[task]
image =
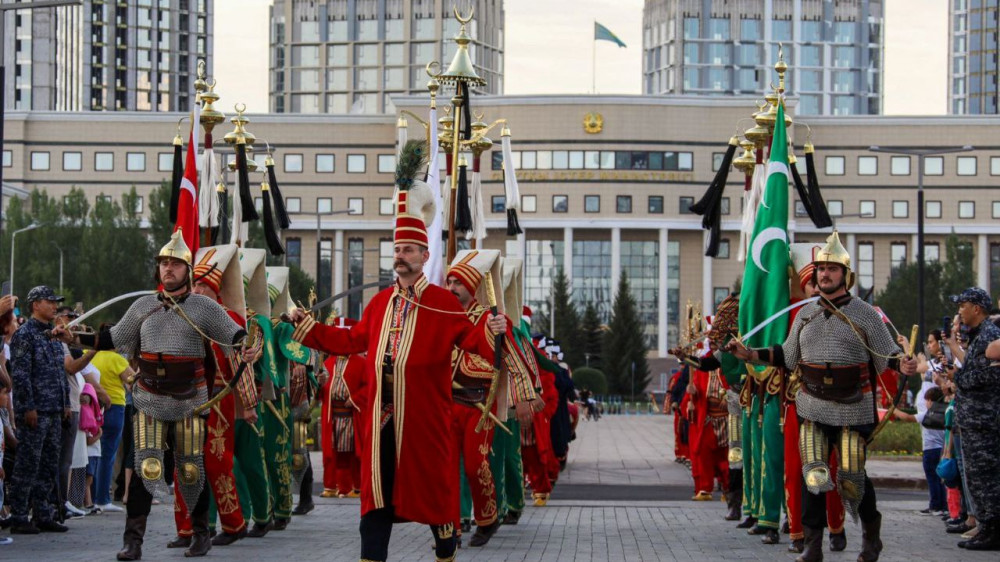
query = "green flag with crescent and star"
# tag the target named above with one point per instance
(765, 276)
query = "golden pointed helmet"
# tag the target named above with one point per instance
(176, 248)
(835, 252)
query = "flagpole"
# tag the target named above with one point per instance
(593, 62)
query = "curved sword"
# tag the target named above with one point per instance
(775, 316)
(134, 294)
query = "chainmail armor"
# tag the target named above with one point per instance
(167, 408)
(818, 338)
(164, 330)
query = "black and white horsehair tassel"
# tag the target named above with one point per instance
(247, 208)
(815, 197)
(280, 212)
(710, 205)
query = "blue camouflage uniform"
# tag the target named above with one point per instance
(977, 410)
(38, 372)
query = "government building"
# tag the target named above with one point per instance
(605, 182)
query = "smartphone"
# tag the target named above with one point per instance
(5, 288)
(946, 327)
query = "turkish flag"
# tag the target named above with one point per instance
(187, 203)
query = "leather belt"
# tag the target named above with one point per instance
(469, 396)
(178, 377)
(844, 384)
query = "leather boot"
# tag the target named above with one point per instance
(484, 533)
(135, 528)
(871, 541)
(201, 540)
(226, 539)
(812, 542)
(734, 501)
(988, 537)
(838, 541)
(179, 542)
(747, 523)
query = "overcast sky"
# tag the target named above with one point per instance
(550, 50)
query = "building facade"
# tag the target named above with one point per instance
(724, 48)
(125, 55)
(354, 56)
(972, 66)
(592, 203)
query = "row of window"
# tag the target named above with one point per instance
(900, 209)
(900, 165)
(597, 160)
(72, 161)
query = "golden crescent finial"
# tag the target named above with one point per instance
(781, 51)
(479, 115)
(202, 68)
(240, 108)
(213, 83)
(430, 65)
(467, 19)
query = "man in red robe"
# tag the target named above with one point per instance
(707, 413)
(475, 375)
(409, 330)
(536, 438)
(341, 462)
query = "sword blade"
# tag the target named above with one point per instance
(775, 316)
(107, 303)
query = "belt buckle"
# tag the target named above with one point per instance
(161, 371)
(828, 381)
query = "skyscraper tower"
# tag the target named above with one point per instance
(350, 56)
(711, 47)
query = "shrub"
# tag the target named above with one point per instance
(898, 438)
(587, 377)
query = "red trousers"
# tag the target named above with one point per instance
(709, 461)
(681, 449)
(343, 472)
(475, 448)
(535, 470)
(794, 484)
(218, 451)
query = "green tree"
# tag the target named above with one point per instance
(160, 226)
(590, 378)
(567, 329)
(592, 337)
(941, 280)
(624, 345)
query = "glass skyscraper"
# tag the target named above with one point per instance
(833, 49)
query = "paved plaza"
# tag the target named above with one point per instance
(621, 498)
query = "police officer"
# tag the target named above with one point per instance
(42, 404)
(976, 405)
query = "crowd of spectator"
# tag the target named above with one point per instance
(62, 412)
(958, 407)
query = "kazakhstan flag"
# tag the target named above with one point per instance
(602, 33)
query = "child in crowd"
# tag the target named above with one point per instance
(91, 420)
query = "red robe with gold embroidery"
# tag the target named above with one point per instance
(426, 482)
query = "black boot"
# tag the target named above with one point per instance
(988, 537)
(770, 537)
(812, 543)
(512, 517)
(796, 546)
(484, 533)
(226, 539)
(135, 529)
(747, 523)
(179, 542)
(838, 541)
(260, 529)
(734, 501)
(304, 507)
(871, 541)
(201, 540)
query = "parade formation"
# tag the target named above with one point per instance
(440, 403)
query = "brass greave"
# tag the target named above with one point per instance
(149, 439)
(189, 439)
(851, 475)
(815, 453)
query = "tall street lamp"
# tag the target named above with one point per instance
(4, 6)
(60, 265)
(13, 238)
(921, 154)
